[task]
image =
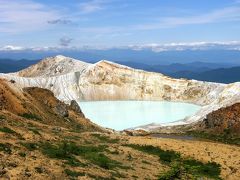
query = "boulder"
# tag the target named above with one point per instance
(75, 107)
(61, 109)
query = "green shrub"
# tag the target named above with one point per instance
(181, 167)
(105, 139)
(22, 154)
(73, 173)
(165, 156)
(102, 161)
(39, 170)
(5, 148)
(68, 151)
(210, 169)
(173, 173)
(75, 163)
(7, 130)
(31, 116)
(30, 146)
(10, 131)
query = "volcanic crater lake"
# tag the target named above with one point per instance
(120, 115)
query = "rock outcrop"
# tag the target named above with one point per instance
(75, 107)
(224, 119)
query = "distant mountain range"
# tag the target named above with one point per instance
(176, 67)
(9, 65)
(222, 73)
(213, 72)
(145, 56)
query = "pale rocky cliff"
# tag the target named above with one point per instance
(71, 79)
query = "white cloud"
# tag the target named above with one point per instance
(92, 6)
(11, 48)
(23, 16)
(230, 45)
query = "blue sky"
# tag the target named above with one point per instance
(115, 23)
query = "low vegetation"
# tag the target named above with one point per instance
(22, 154)
(10, 131)
(73, 173)
(69, 150)
(210, 169)
(225, 137)
(39, 170)
(105, 139)
(31, 116)
(2, 117)
(34, 130)
(6, 148)
(30, 146)
(165, 156)
(7, 130)
(181, 167)
(173, 173)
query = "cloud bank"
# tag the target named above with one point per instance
(65, 42)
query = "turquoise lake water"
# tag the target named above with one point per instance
(121, 115)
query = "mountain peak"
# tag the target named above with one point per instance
(53, 66)
(61, 57)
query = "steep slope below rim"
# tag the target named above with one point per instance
(110, 81)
